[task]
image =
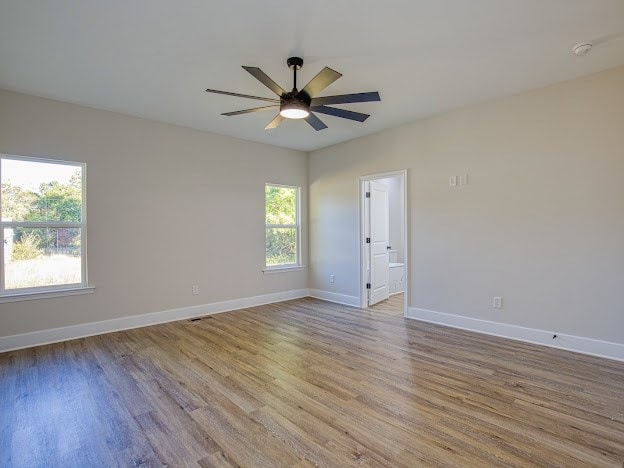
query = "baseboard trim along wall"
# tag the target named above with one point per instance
(578, 344)
(335, 297)
(27, 340)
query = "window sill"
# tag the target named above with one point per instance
(284, 269)
(29, 296)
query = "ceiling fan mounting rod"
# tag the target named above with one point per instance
(295, 63)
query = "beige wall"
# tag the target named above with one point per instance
(541, 222)
(168, 208)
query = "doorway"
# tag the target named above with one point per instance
(384, 242)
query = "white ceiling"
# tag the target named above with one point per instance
(154, 58)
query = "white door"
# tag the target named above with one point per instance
(379, 231)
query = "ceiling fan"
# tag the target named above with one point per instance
(302, 104)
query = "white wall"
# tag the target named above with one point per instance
(168, 208)
(396, 214)
(541, 222)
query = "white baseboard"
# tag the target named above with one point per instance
(578, 344)
(542, 337)
(335, 297)
(27, 340)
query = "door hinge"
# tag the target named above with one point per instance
(368, 240)
(367, 194)
(368, 285)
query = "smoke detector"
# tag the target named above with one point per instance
(582, 49)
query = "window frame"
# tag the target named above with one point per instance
(297, 226)
(58, 289)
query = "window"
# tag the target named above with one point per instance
(42, 219)
(282, 226)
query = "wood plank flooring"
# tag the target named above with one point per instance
(394, 305)
(307, 383)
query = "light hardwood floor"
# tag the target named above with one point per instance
(305, 383)
(394, 305)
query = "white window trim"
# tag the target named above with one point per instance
(285, 266)
(283, 269)
(73, 291)
(42, 292)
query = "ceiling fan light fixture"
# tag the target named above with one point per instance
(294, 110)
(298, 105)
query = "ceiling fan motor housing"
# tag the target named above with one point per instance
(296, 95)
(295, 104)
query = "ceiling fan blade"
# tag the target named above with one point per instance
(346, 98)
(316, 123)
(321, 81)
(275, 122)
(227, 93)
(247, 111)
(265, 80)
(345, 114)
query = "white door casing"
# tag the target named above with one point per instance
(379, 232)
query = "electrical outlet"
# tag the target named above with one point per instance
(497, 302)
(453, 181)
(331, 278)
(195, 290)
(463, 179)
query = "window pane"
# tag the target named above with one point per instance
(281, 205)
(40, 191)
(37, 257)
(281, 246)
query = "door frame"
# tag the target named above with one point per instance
(362, 229)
